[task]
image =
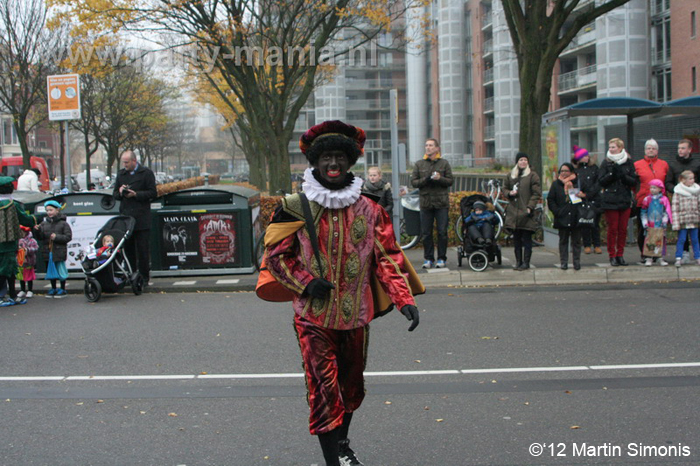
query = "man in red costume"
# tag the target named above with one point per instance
(334, 303)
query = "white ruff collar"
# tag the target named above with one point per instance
(331, 199)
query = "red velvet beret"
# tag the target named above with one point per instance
(332, 128)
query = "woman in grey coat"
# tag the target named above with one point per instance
(524, 191)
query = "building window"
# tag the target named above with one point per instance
(661, 85)
(694, 79)
(692, 24)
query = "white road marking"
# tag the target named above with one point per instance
(192, 282)
(501, 370)
(232, 281)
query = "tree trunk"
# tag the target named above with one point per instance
(86, 140)
(22, 138)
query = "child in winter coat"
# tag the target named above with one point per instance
(479, 224)
(686, 214)
(106, 250)
(656, 213)
(56, 233)
(377, 186)
(26, 274)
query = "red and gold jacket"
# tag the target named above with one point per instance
(355, 243)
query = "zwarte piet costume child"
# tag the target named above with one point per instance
(335, 303)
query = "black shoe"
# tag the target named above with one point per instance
(577, 266)
(613, 261)
(346, 456)
(564, 266)
(621, 261)
(524, 266)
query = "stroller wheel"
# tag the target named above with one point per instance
(93, 290)
(478, 261)
(137, 283)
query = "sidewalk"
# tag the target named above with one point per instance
(595, 268)
(545, 271)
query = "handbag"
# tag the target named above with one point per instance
(55, 270)
(586, 214)
(268, 288)
(654, 242)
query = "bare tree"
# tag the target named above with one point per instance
(540, 31)
(26, 45)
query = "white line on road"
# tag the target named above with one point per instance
(231, 281)
(184, 283)
(502, 370)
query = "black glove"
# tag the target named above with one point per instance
(411, 313)
(319, 288)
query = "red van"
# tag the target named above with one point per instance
(12, 166)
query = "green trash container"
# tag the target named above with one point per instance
(205, 231)
(30, 199)
(86, 212)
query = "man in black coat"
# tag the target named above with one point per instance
(136, 188)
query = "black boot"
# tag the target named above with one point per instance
(613, 261)
(564, 266)
(518, 259)
(621, 261)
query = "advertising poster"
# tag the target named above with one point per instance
(550, 165)
(84, 228)
(217, 239)
(196, 240)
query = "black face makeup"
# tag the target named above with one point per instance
(333, 166)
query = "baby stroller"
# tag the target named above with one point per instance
(112, 273)
(478, 255)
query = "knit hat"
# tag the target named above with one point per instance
(332, 135)
(52, 204)
(579, 153)
(659, 184)
(520, 155)
(479, 205)
(6, 180)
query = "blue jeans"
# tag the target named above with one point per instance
(682, 233)
(427, 218)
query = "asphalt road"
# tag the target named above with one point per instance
(588, 375)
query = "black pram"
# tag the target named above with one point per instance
(112, 273)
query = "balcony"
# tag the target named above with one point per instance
(488, 105)
(583, 123)
(487, 20)
(489, 132)
(488, 76)
(660, 57)
(367, 104)
(583, 77)
(585, 37)
(488, 47)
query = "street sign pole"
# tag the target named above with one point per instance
(64, 104)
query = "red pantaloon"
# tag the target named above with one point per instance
(334, 362)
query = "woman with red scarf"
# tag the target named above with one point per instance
(561, 204)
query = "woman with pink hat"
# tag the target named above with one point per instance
(587, 174)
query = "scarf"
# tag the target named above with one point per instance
(568, 181)
(687, 191)
(516, 173)
(618, 158)
(331, 199)
(426, 157)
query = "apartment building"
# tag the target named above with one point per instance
(645, 49)
(358, 94)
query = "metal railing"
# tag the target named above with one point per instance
(577, 78)
(488, 75)
(488, 104)
(488, 47)
(660, 56)
(490, 132)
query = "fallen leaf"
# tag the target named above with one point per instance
(100, 401)
(575, 427)
(387, 402)
(172, 414)
(567, 392)
(79, 404)
(142, 412)
(439, 420)
(417, 360)
(494, 381)
(203, 373)
(427, 408)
